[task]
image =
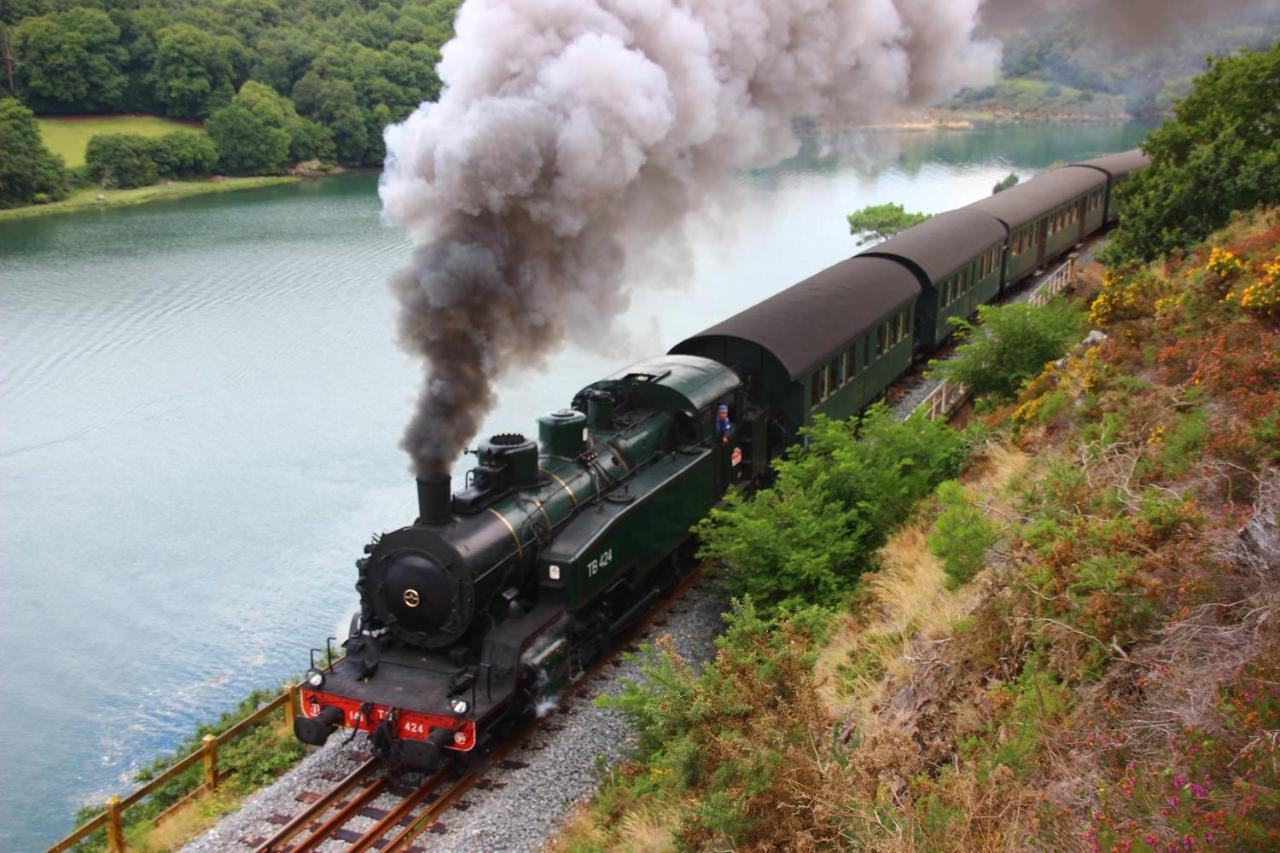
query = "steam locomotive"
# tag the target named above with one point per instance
(501, 594)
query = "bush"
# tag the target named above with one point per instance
(734, 732)
(184, 154)
(835, 501)
(1010, 345)
(960, 536)
(121, 160)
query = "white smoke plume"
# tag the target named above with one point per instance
(574, 136)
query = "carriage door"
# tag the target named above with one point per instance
(1081, 208)
(1042, 235)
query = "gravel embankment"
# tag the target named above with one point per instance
(518, 805)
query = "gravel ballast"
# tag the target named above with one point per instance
(517, 805)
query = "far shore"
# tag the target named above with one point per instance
(97, 199)
(973, 119)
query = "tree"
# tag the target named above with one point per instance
(28, 171)
(193, 72)
(1009, 180)
(1218, 155)
(1010, 345)
(879, 221)
(333, 104)
(70, 60)
(252, 132)
(121, 160)
(184, 154)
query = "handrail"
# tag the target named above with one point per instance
(207, 753)
(1059, 280)
(946, 397)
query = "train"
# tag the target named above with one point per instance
(499, 595)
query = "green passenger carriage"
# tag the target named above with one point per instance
(829, 345)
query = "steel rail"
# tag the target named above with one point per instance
(344, 815)
(314, 810)
(402, 809)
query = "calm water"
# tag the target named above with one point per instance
(200, 405)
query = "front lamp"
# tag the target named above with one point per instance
(458, 704)
(315, 678)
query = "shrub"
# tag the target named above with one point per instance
(835, 501)
(1011, 345)
(735, 732)
(184, 154)
(122, 160)
(960, 536)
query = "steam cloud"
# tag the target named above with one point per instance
(1131, 23)
(574, 135)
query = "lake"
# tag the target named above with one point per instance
(200, 410)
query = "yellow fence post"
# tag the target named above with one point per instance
(291, 706)
(115, 829)
(210, 751)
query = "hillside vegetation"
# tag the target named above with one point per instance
(1074, 644)
(1058, 629)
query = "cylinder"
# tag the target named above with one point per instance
(563, 433)
(434, 499)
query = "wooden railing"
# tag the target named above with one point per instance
(943, 400)
(947, 396)
(112, 817)
(1059, 280)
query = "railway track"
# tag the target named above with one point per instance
(415, 807)
(327, 819)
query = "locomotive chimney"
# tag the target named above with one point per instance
(434, 499)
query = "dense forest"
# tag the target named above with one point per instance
(326, 75)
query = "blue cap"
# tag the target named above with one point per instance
(724, 407)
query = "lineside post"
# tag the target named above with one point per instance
(1072, 270)
(290, 706)
(210, 755)
(115, 828)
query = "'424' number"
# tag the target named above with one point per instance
(594, 567)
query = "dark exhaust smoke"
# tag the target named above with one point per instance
(572, 139)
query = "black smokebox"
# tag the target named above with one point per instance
(434, 499)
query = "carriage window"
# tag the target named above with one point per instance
(902, 324)
(833, 382)
(815, 388)
(881, 335)
(850, 362)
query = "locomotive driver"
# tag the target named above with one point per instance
(724, 426)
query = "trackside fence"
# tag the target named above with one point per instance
(944, 399)
(112, 817)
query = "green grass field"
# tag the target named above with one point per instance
(70, 136)
(95, 199)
